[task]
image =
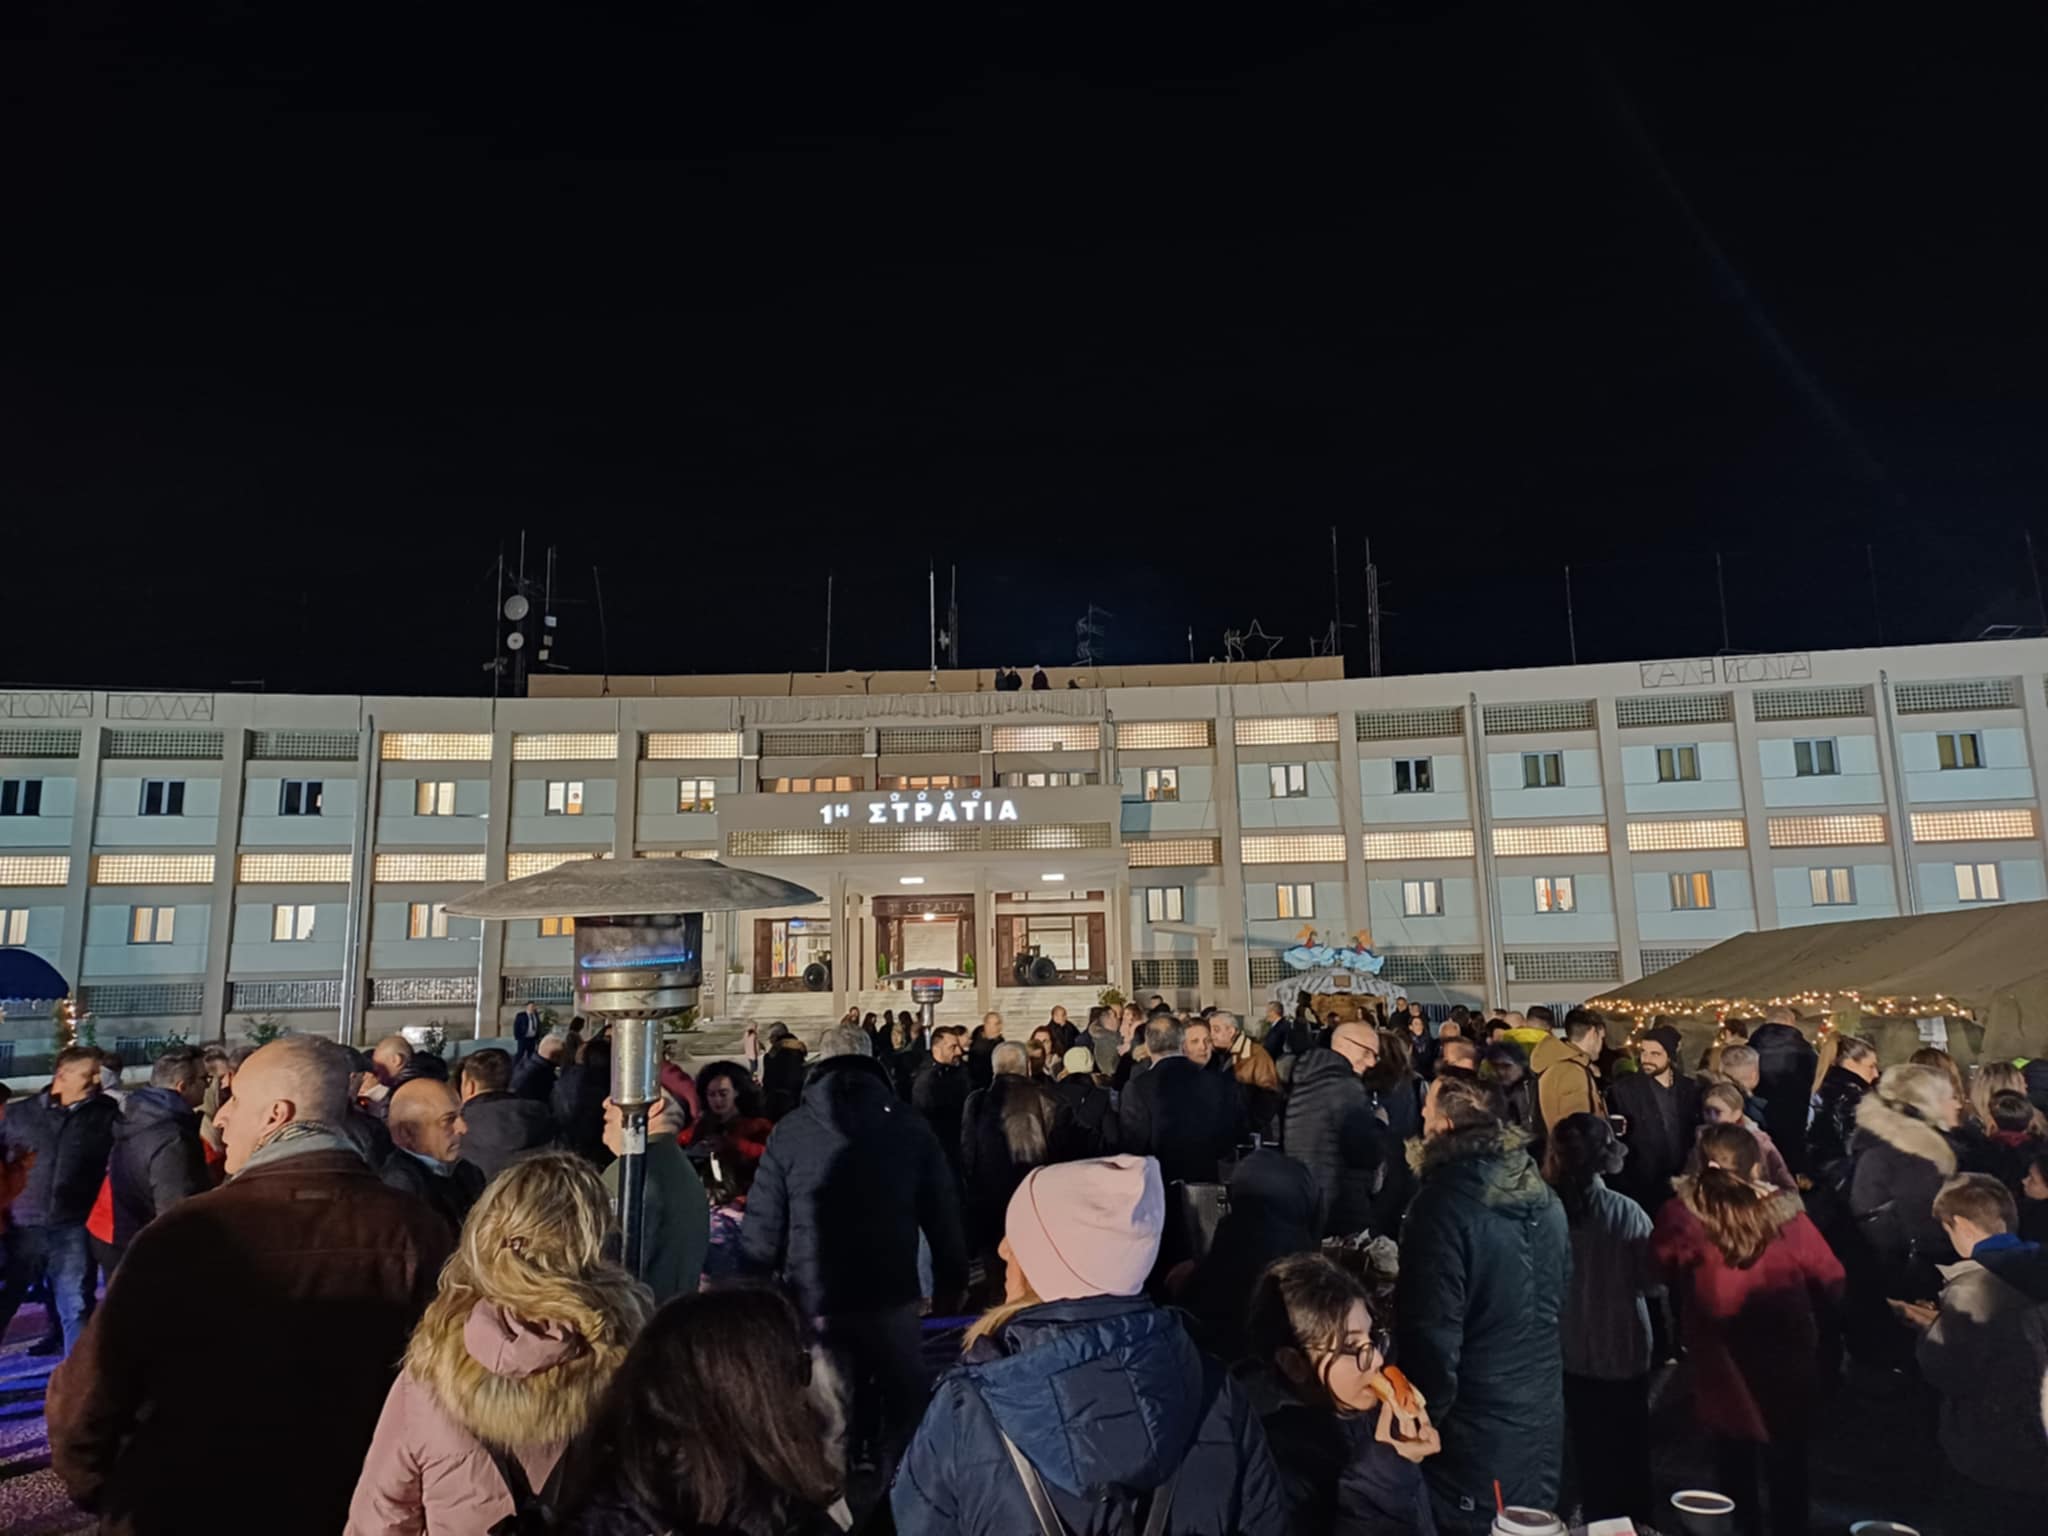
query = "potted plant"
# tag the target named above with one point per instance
(1109, 997)
(736, 979)
(881, 966)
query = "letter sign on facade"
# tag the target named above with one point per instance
(922, 807)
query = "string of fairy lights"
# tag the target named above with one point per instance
(1640, 1013)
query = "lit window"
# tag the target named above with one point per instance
(1412, 776)
(1422, 898)
(151, 925)
(1164, 903)
(557, 927)
(426, 920)
(163, 797)
(1692, 893)
(1542, 770)
(565, 797)
(794, 944)
(1554, 893)
(299, 797)
(13, 927)
(291, 924)
(822, 784)
(1676, 765)
(21, 797)
(1832, 887)
(1289, 780)
(1815, 758)
(929, 781)
(696, 794)
(434, 798)
(1020, 779)
(1294, 900)
(1162, 783)
(1959, 749)
(1977, 882)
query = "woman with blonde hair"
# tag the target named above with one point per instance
(1994, 1077)
(510, 1361)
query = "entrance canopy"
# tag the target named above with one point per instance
(1990, 963)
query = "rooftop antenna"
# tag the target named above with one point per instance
(1571, 624)
(1336, 596)
(1088, 634)
(1721, 591)
(931, 580)
(828, 621)
(1372, 609)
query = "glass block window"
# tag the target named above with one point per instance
(1167, 852)
(1405, 724)
(935, 739)
(401, 868)
(534, 862)
(1935, 698)
(677, 853)
(566, 746)
(195, 745)
(1051, 837)
(1514, 842)
(35, 869)
(840, 743)
(1047, 738)
(1686, 836)
(39, 743)
(1159, 975)
(917, 839)
(1443, 843)
(135, 1001)
(292, 869)
(1219, 972)
(1523, 719)
(284, 996)
(1269, 970)
(1835, 703)
(1827, 831)
(436, 747)
(1674, 709)
(1655, 960)
(1292, 848)
(1430, 967)
(770, 842)
(152, 869)
(396, 991)
(1164, 735)
(1972, 826)
(1286, 731)
(661, 746)
(304, 746)
(1564, 965)
(559, 990)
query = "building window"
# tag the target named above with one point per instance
(426, 920)
(929, 781)
(1555, 893)
(821, 784)
(1692, 893)
(21, 797)
(1959, 749)
(299, 797)
(163, 797)
(1422, 898)
(1162, 783)
(1832, 887)
(565, 797)
(434, 798)
(1412, 776)
(557, 927)
(1289, 780)
(1677, 765)
(696, 794)
(1294, 900)
(793, 943)
(1034, 779)
(151, 925)
(1977, 882)
(1542, 770)
(291, 924)
(13, 927)
(1815, 758)
(1164, 903)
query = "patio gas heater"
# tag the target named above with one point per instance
(639, 960)
(927, 986)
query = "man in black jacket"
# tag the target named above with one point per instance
(1329, 1125)
(981, 1047)
(68, 1129)
(500, 1124)
(939, 1091)
(426, 1150)
(1662, 1109)
(533, 1077)
(1786, 1064)
(157, 1160)
(1187, 1117)
(849, 1179)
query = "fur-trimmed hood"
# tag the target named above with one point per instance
(510, 1382)
(1879, 1121)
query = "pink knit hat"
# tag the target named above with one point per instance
(1088, 1229)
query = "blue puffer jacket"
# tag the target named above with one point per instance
(1106, 1396)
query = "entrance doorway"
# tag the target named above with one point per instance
(925, 932)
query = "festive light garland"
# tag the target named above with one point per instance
(1639, 1013)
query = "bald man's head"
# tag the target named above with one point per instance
(550, 1047)
(426, 1117)
(297, 1079)
(388, 1058)
(1358, 1044)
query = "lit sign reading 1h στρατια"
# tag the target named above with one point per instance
(921, 807)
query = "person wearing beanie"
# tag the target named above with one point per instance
(1079, 1391)
(1086, 1126)
(1660, 1107)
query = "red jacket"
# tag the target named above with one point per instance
(1754, 1334)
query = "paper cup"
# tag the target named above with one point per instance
(1702, 1512)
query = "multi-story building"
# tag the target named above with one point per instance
(194, 859)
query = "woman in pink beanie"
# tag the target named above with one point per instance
(1080, 1406)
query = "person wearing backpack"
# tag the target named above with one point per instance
(1080, 1408)
(509, 1363)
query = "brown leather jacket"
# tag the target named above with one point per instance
(267, 1317)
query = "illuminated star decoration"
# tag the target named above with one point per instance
(1256, 633)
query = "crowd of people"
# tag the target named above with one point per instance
(1371, 1274)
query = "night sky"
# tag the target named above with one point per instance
(309, 310)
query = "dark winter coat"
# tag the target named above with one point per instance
(71, 1148)
(1785, 1068)
(533, 1077)
(849, 1179)
(1901, 1164)
(1330, 1127)
(1485, 1267)
(1335, 1476)
(1186, 1117)
(1006, 1130)
(906, 1064)
(782, 1076)
(1834, 1123)
(1107, 1398)
(501, 1126)
(980, 1068)
(1087, 1125)
(939, 1093)
(449, 1195)
(157, 1159)
(2036, 1074)
(1272, 1213)
(1663, 1123)
(578, 1106)
(1978, 1357)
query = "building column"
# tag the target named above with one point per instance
(1485, 892)
(1892, 776)
(1116, 932)
(490, 939)
(1756, 819)
(1230, 836)
(1628, 938)
(984, 940)
(2034, 702)
(835, 897)
(227, 837)
(1351, 816)
(85, 800)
